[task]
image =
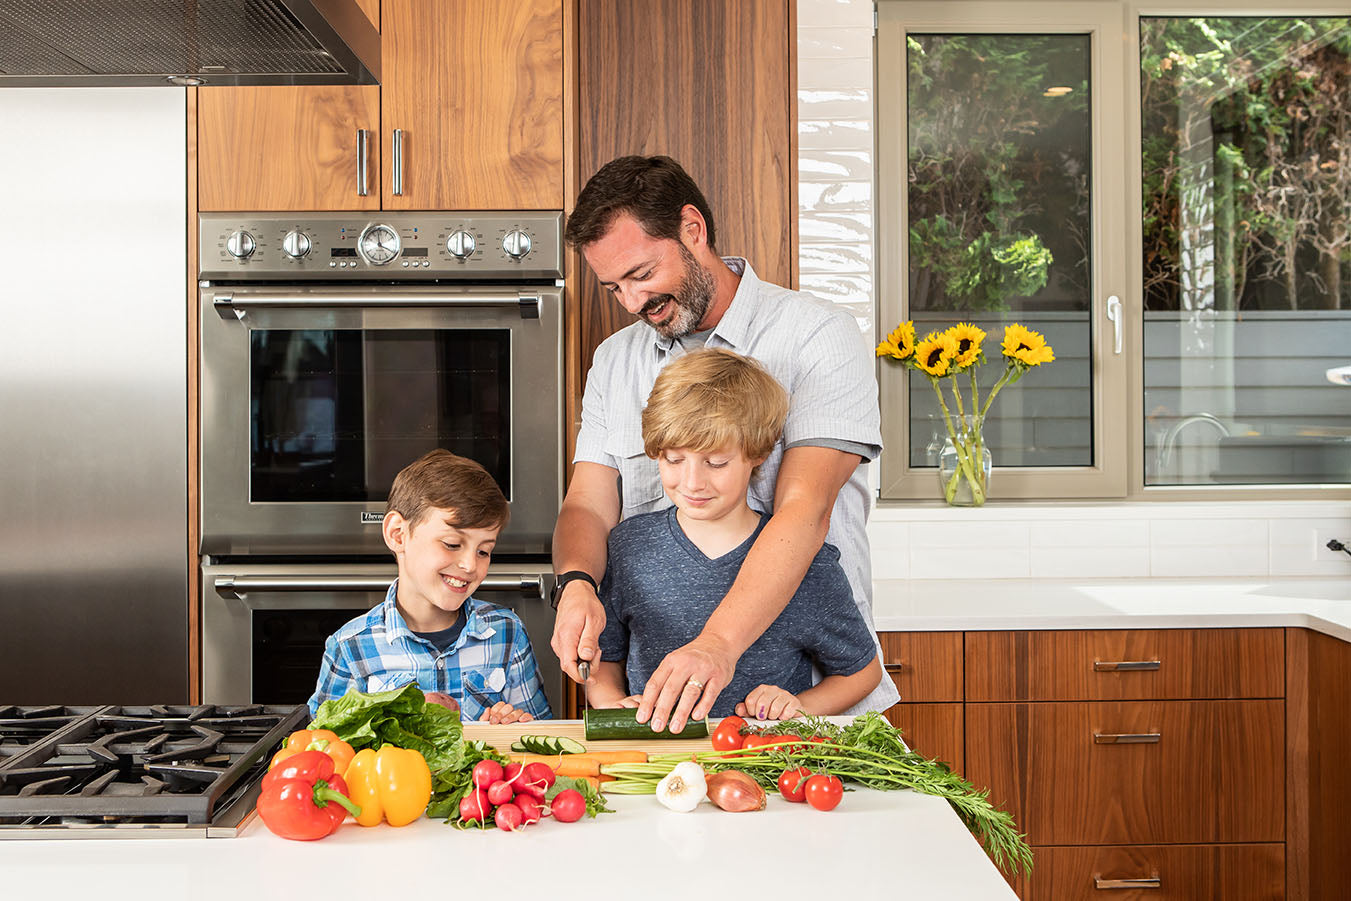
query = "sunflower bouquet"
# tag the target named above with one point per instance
(947, 354)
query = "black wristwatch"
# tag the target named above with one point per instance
(571, 575)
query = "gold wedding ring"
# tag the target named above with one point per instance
(696, 683)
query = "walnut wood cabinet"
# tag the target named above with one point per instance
(469, 115)
(927, 670)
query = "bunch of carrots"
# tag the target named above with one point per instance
(583, 766)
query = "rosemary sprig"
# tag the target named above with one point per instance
(869, 752)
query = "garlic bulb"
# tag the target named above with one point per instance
(683, 788)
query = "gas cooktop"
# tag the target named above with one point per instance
(110, 771)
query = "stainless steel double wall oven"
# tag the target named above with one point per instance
(336, 348)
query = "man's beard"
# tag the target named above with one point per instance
(689, 304)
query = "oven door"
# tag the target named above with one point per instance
(313, 398)
(264, 625)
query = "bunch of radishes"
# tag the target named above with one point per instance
(512, 797)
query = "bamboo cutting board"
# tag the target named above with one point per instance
(501, 737)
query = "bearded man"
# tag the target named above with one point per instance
(647, 232)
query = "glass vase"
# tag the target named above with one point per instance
(964, 464)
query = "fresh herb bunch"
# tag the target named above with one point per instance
(870, 752)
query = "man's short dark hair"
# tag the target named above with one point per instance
(651, 189)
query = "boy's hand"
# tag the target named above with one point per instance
(502, 712)
(770, 702)
(445, 700)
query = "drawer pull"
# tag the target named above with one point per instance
(1124, 666)
(893, 667)
(1127, 738)
(1142, 882)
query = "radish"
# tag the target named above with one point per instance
(500, 792)
(530, 808)
(536, 779)
(508, 817)
(511, 771)
(486, 772)
(568, 806)
(474, 806)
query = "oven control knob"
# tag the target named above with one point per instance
(516, 244)
(461, 245)
(379, 244)
(240, 245)
(296, 245)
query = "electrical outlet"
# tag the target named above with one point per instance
(1321, 551)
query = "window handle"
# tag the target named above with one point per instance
(1114, 317)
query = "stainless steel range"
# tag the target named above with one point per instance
(127, 772)
(336, 348)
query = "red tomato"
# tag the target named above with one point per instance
(816, 739)
(824, 792)
(756, 740)
(728, 737)
(791, 784)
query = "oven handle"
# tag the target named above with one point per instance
(240, 586)
(527, 301)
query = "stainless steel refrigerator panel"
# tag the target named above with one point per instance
(93, 399)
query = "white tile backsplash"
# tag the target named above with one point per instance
(984, 562)
(1210, 532)
(1212, 561)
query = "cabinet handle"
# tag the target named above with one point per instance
(397, 166)
(1127, 738)
(363, 157)
(1141, 882)
(1124, 666)
(893, 667)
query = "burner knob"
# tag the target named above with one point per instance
(516, 244)
(296, 245)
(240, 244)
(461, 245)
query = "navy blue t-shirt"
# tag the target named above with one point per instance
(660, 589)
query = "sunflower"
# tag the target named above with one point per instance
(1026, 346)
(900, 344)
(936, 353)
(968, 339)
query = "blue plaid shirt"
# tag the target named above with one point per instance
(491, 661)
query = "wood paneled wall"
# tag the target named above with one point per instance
(710, 84)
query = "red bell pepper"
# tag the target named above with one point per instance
(303, 799)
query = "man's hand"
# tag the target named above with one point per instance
(502, 712)
(687, 683)
(770, 702)
(577, 627)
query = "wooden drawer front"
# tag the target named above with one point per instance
(926, 666)
(1149, 664)
(1214, 774)
(1184, 873)
(934, 730)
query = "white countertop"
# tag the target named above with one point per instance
(932, 605)
(874, 844)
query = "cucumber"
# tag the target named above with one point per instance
(548, 744)
(622, 722)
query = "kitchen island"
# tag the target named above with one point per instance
(875, 844)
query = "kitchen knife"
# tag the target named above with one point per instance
(584, 670)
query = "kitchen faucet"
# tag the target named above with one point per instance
(1164, 454)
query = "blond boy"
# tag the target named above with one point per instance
(713, 416)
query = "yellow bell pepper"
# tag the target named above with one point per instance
(393, 784)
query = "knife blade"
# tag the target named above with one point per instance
(584, 670)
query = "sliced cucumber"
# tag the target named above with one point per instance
(548, 744)
(623, 722)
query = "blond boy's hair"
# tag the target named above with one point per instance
(712, 399)
(450, 482)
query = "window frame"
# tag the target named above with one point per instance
(1118, 471)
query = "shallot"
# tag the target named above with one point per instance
(735, 791)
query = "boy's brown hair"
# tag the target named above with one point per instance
(711, 399)
(445, 480)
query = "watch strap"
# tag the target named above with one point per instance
(563, 579)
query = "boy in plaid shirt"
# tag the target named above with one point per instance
(441, 522)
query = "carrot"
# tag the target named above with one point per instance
(587, 764)
(597, 781)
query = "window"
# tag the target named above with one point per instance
(1175, 219)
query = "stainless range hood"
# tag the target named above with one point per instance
(142, 43)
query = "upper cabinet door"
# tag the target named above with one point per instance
(472, 103)
(288, 148)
